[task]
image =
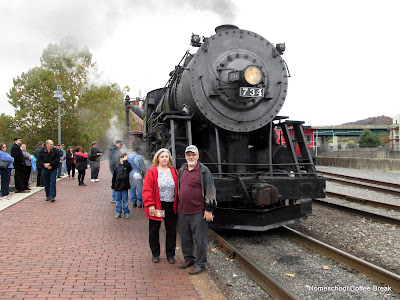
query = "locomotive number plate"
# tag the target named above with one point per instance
(251, 92)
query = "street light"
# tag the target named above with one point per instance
(60, 98)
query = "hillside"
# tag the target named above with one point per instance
(381, 120)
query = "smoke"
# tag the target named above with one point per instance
(92, 21)
(114, 134)
(225, 9)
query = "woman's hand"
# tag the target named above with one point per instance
(152, 210)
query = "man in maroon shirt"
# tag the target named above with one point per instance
(197, 200)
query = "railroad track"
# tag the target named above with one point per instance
(277, 290)
(364, 201)
(380, 186)
(372, 271)
(261, 277)
(357, 212)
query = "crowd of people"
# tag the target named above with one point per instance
(186, 196)
(49, 162)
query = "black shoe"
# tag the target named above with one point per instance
(47, 199)
(186, 264)
(155, 259)
(42, 185)
(134, 205)
(58, 176)
(84, 184)
(171, 260)
(52, 199)
(196, 270)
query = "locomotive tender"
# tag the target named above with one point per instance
(225, 99)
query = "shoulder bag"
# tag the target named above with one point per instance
(4, 164)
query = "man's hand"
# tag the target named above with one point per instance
(208, 216)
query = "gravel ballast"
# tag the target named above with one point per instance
(372, 241)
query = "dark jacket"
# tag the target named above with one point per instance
(52, 157)
(36, 152)
(70, 157)
(115, 155)
(81, 161)
(120, 179)
(207, 186)
(19, 160)
(93, 154)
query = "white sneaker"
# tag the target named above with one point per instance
(96, 180)
(92, 180)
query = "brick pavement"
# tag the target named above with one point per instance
(75, 248)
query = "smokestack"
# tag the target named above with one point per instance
(222, 28)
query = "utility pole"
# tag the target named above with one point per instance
(58, 95)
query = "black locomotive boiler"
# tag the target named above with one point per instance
(225, 99)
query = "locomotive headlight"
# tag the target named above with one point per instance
(195, 40)
(253, 75)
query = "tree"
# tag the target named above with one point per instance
(36, 116)
(97, 106)
(7, 132)
(369, 139)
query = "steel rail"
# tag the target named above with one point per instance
(365, 180)
(262, 278)
(365, 214)
(372, 271)
(373, 203)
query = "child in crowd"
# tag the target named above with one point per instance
(120, 184)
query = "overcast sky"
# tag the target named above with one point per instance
(343, 55)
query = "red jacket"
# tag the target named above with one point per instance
(151, 194)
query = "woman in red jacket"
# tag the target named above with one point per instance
(81, 164)
(160, 194)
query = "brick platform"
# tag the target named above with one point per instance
(75, 248)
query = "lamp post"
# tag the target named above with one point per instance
(60, 98)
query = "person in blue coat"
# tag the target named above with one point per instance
(136, 177)
(5, 174)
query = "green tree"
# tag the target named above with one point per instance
(369, 139)
(7, 132)
(36, 111)
(97, 106)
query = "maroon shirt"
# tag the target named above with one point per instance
(190, 197)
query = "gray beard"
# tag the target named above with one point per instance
(192, 163)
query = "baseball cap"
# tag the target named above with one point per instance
(192, 148)
(118, 142)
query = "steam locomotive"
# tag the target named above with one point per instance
(225, 99)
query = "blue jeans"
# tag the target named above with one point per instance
(59, 170)
(122, 196)
(5, 181)
(49, 178)
(136, 190)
